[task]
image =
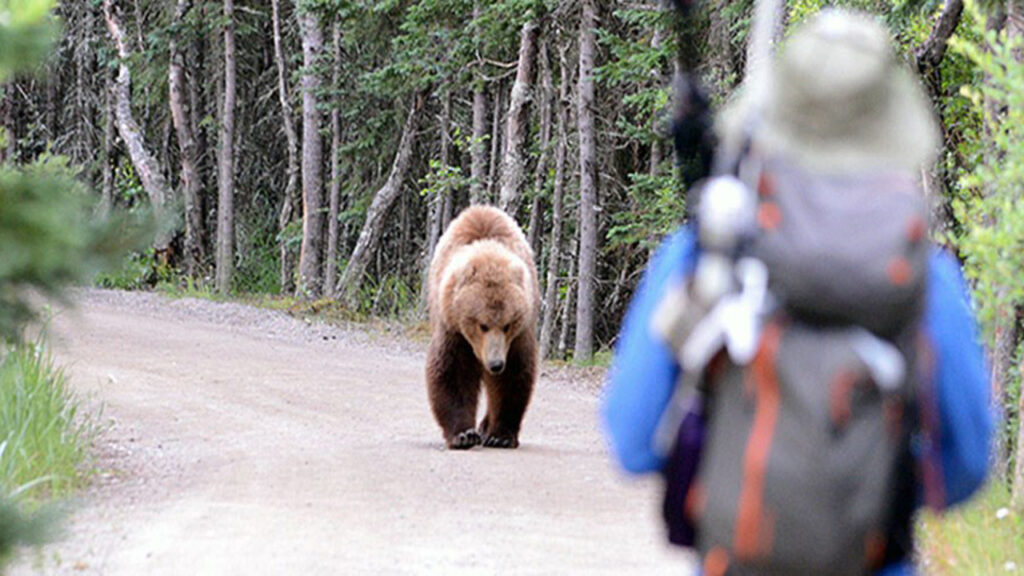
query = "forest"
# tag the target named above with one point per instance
(318, 148)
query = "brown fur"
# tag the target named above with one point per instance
(483, 298)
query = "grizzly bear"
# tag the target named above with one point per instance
(483, 300)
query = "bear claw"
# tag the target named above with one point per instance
(465, 440)
(501, 441)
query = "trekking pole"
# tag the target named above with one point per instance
(695, 318)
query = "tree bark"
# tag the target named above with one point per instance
(146, 165)
(436, 204)
(107, 194)
(928, 59)
(478, 166)
(197, 97)
(310, 254)
(555, 248)
(352, 279)
(496, 140)
(584, 347)
(226, 188)
(518, 121)
(290, 204)
(764, 31)
(1015, 31)
(187, 149)
(1017, 496)
(331, 271)
(11, 144)
(569, 307)
(533, 231)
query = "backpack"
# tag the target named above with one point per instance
(798, 462)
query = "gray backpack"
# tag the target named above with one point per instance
(806, 461)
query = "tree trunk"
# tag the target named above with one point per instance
(496, 141)
(584, 348)
(555, 249)
(1015, 31)
(436, 204)
(764, 31)
(10, 145)
(658, 75)
(226, 188)
(569, 307)
(107, 195)
(331, 271)
(146, 165)
(187, 149)
(310, 270)
(196, 71)
(352, 279)
(478, 166)
(518, 122)
(533, 231)
(290, 204)
(1017, 496)
(928, 58)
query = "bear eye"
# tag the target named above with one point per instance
(484, 327)
(506, 328)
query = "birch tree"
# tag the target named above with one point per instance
(514, 164)
(150, 172)
(310, 255)
(226, 189)
(587, 267)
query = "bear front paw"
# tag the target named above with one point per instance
(500, 441)
(464, 440)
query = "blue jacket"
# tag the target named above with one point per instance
(644, 373)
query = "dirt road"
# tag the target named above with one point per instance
(242, 441)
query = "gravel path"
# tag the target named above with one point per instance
(244, 441)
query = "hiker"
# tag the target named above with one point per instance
(838, 109)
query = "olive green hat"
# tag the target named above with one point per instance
(837, 100)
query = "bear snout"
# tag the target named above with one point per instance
(494, 352)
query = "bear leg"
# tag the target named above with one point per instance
(453, 385)
(508, 395)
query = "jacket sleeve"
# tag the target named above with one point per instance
(961, 389)
(644, 372)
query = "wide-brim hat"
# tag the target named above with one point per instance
(837, 100)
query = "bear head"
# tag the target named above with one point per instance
(485, 296)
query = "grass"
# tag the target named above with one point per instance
(44, 434)
(983, 538)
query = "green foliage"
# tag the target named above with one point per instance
(137, 271)
(659, 207)
(388, 297)
(258, 266)
(17, 529)
(43, 433)
(50, 237)
(442, 180)
(26, 34)
(991, 209)
(979, 539)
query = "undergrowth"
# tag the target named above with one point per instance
(44, 433)
(982, 538)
